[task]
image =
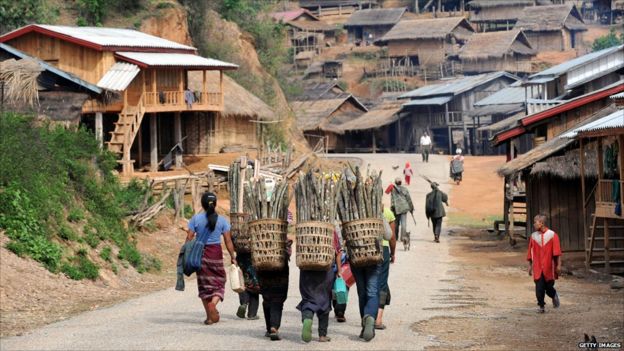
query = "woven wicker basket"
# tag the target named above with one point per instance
(240, 233)
(362, 239)
(315, 246)
(268, 244)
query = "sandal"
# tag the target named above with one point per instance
(213, 313)
(380, 326)
(274, 335)
(324, 339)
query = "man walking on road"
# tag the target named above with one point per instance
(401, 204)
(435, 210)
(544, 256)
(425, 146)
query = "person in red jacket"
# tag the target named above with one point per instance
(544, 256)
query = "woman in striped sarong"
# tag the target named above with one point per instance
(209, 227)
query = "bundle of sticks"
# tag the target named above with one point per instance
(259, 205)
(234, 182)
(316, 196)
(359, 197)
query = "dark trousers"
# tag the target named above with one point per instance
(339, 308)
(542, 288)
(367, 283)
(323, 319)
(425, 153)
(436, 223)
(384, 273)
(272, 314)
(252, 300)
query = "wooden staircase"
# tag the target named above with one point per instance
(126, 129)
(605, 252)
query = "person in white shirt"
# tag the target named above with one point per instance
(425, 146)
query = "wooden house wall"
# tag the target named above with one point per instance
(510, 63)
(429, 51)
(569, 119)
(546, 41)
(567, 39)
(208, 133)
(497, 14)
(84, 62)
(376, 31)
(465, 101)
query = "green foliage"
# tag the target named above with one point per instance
(164, 5)
(105, 254)
(93, 12)
(188, 211)
(80, 268)
(130, 253)
(14, 14)
(75, 215)
(115, 268)
(152, 263)
(608, 41)
(61, 169)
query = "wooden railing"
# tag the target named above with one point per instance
(605, 191)
(175, 101)
(438, 119)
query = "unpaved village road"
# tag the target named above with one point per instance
(173, 320)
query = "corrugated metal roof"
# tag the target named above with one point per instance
(119, 76)
(441, 100)
(569, 65)
(495, 109)
(618, 96)
(456, 86)
(175, 60)
(116, 37)
(48, 67)
(614, 120)
(509, 95)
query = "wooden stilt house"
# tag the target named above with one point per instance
(366, 26)
(149, 73)
(553, 27)
(494, 15)
(497, 51)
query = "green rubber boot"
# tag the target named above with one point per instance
(241, 311)
(369, 328)
(306, 330)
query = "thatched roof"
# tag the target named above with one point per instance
(549, 148)
(437, 28)
(238, 101)
(315, 114)
(334, 3)
(496, 45)
(320, 91)
(550, 18)
(482, 4)
(287, 16)
(568, 165)
(378, 116)
(375, 17)
(20, 81)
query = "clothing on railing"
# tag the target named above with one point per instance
(161, 97)
(189, 98)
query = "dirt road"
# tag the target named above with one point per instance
(172, 320)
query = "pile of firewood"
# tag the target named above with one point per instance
(260, 205)
(359, 197)
(316, 197)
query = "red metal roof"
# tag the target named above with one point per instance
(556, 110)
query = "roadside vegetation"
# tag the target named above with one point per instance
(60, 202)
(607, 41)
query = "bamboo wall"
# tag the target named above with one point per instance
(546, 41)
(429, 51)
(208, 133)
(569, 119)
(84, 62)
(513, 64)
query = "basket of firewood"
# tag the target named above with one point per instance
(240, 232)
(315, 246)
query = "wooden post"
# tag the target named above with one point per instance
(466, 136)
(204, 88)
(154, 86)
(181, 87)
(221, 86)
(448, 123)
(177, 134)
(153, 143)
(606, 246)
(374, 142)
(582, 158)
(241, 184)
(140, 141)
(99, 129)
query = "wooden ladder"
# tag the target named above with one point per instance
(126, 129)
(608, 255)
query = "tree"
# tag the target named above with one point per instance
(608, 41)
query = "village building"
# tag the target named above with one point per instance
(602, 11)
(305, 32)
(332, 8)
(149, 74)
(34, 86)
(426, 42)
(374, 131)
(508, 51)
(320, 111)
(571, 179)
(576, 77)
(366, 26)
(493, 15)
(442, 109)
(553, 27)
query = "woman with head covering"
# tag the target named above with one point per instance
(208, 227)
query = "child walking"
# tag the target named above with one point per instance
(544, 256)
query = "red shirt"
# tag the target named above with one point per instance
(543, 248)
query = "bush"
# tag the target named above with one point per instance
(81, 268)
(14, 14)
(188, 211)
(67, 233)
(75, 215)
(130, 253)
(608, 41)
(92, 240)
(152, 263)
(105, 254)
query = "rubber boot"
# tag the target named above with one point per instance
(369, 328)
(306, 330)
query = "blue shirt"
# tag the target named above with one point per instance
(198, 224)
